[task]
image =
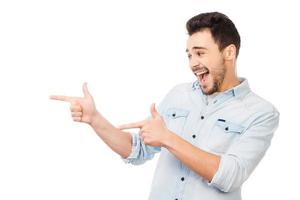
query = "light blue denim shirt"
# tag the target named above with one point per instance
(237, 125)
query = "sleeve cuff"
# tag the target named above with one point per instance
(134, 149)
(223, 178)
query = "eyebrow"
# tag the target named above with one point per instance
(196, 48)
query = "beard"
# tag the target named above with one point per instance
(217, 76)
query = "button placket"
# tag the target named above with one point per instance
(181, 183)
(202, 118)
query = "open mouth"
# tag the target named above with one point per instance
(202, 73)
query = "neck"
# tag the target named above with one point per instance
(230, 80)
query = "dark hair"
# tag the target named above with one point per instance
(221, 27)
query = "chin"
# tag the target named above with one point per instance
(208, 90)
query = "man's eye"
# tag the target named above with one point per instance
(200, 53)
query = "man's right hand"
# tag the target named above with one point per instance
(83, 109)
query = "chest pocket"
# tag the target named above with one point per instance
(176, 119)
(223, 134)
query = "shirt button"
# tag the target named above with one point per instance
(173, 114)
(194, 136)
(226, 128)
(182, 178)
(176, 199)
(202, 117)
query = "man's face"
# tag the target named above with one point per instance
(206, 61)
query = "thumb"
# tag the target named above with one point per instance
(85, 90)
(153, 111)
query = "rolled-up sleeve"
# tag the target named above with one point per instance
(140, 152)
(243, 156)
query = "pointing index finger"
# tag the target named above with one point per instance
(132, 125)
(61, 98)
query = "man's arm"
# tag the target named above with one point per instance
(119, 141)
(203, 163)
(154, 132)
(83, 109)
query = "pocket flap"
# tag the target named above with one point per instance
(177, 112)
(230, 127)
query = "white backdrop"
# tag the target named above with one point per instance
(130, 53)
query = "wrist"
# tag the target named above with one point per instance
(169, 137)
(99, 123)
(94, 119)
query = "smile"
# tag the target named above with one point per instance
(201, 73)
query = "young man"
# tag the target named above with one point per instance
(211, 133)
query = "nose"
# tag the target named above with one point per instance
(194, 63)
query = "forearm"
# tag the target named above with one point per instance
(203, 163)
(119, 141)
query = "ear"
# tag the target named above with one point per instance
(229, 52)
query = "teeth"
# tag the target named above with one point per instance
(200, 72)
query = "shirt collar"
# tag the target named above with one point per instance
(242, 89)
(238, 91)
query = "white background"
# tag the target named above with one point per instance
(130, 53)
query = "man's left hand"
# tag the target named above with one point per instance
(153, 131)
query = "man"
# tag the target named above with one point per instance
(211, 133)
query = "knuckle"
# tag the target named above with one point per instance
(142, 136)
(76, 119)
(75, 107)
(76, 114)
(146, 141)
